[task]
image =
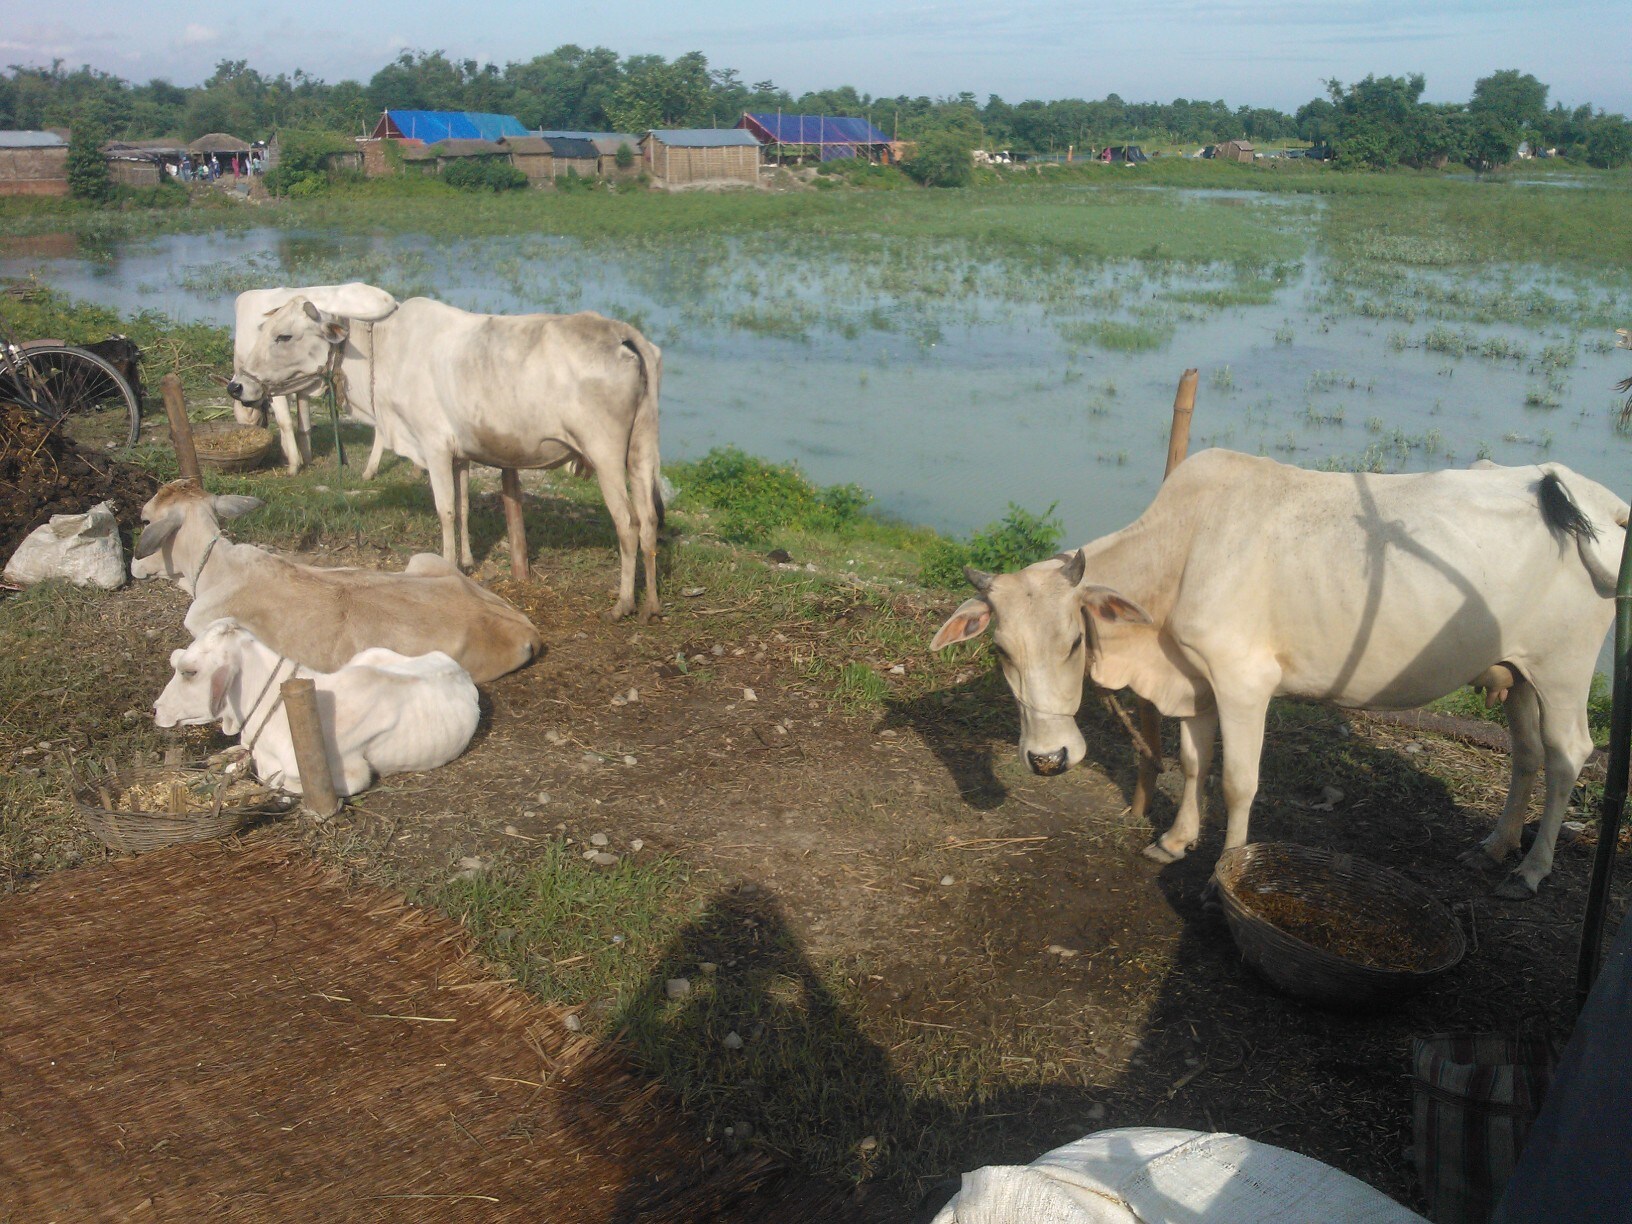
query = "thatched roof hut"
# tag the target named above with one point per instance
(218, 142)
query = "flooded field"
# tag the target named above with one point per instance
(950, 381)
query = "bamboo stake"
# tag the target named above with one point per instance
(511, 492)
(181, 429)
(1150, 720)
(311, 753)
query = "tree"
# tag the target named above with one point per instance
(1514, 99)
(88, 177)
(942, 159)
(1609, 142)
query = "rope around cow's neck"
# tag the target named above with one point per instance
(272, 709)
(205, 560)
(1150, 752)
(340, 387)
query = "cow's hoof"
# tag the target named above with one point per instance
(1211, 900)
(1158, 853)
(1515, 889)
(1479, 860)
(616, 613)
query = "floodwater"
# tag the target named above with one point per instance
(950, 386)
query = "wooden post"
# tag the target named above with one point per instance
(1150, 720)
(311, 753)
(1178, 440)
(511, 492)
(181, 429)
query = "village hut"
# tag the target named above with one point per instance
(433, 127)
(218, 143)
(447, 152)
(606, 145)
(573, 156)
(130, 165)
(1235, 150)
(533, 156)
(33, 163)
(680, 157)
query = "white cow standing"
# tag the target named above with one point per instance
(1247, 579)
(382, 713)
(356, 301)
(446, 388)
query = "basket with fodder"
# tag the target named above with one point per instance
(1333, 928)
(146, 808)
(226, 446)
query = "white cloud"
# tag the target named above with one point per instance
(196, 35)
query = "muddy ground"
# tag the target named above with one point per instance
(965, 903)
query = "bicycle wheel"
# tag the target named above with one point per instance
(58, 379)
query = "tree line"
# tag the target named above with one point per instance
(1375, 123)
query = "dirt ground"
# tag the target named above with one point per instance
(969, 903)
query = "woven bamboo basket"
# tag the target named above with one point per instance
(226, 446)
(1332, 928)
(148, 808)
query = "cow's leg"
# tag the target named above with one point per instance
(643, 477)
(1526, 760)
(1241, 725)
(1567, 742)
(1197, 735)
(303, 433)
(613, 478)
(286, 432)
(440, 469)
(461, 497)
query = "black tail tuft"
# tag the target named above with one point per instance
(1561, 512)
(657, 500)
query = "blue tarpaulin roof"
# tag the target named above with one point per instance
(435, 126)
(834, 135)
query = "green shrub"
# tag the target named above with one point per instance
(88, 175)
(1016, 540)
(483, 174)
(755, 498)
(942, 159)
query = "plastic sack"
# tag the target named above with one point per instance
(82, 548)
(1155, 1175)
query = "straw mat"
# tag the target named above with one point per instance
(210, 1032)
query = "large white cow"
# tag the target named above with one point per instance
(322, 617)
(356, 301)
(1246, 579)
(382, 713)
(446, 388)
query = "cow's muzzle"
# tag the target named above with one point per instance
(236, 390)
(1049, 763)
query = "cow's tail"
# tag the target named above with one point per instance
(645, 465)
(1564, 514)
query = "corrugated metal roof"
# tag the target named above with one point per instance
(568, 146)
(435, 126)
(814, 129)
(30, 140)
(703, 138)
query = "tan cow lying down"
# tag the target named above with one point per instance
(382, 713)
(1247, 579)
(322, 617)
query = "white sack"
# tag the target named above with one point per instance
(1154, 1175)
(83, 548)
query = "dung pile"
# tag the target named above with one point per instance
(42, 472)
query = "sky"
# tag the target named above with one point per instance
(1275, 53)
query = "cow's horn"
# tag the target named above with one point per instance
(1072, 570)
(979, 579)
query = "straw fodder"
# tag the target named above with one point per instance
(234, 1034)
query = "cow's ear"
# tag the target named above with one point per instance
(334, 330)
(219, 679)
(157, 534)
(969, 621)
(233, 505)
(1109, 605)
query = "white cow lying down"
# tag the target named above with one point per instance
(382, 713)
(1247, 579)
